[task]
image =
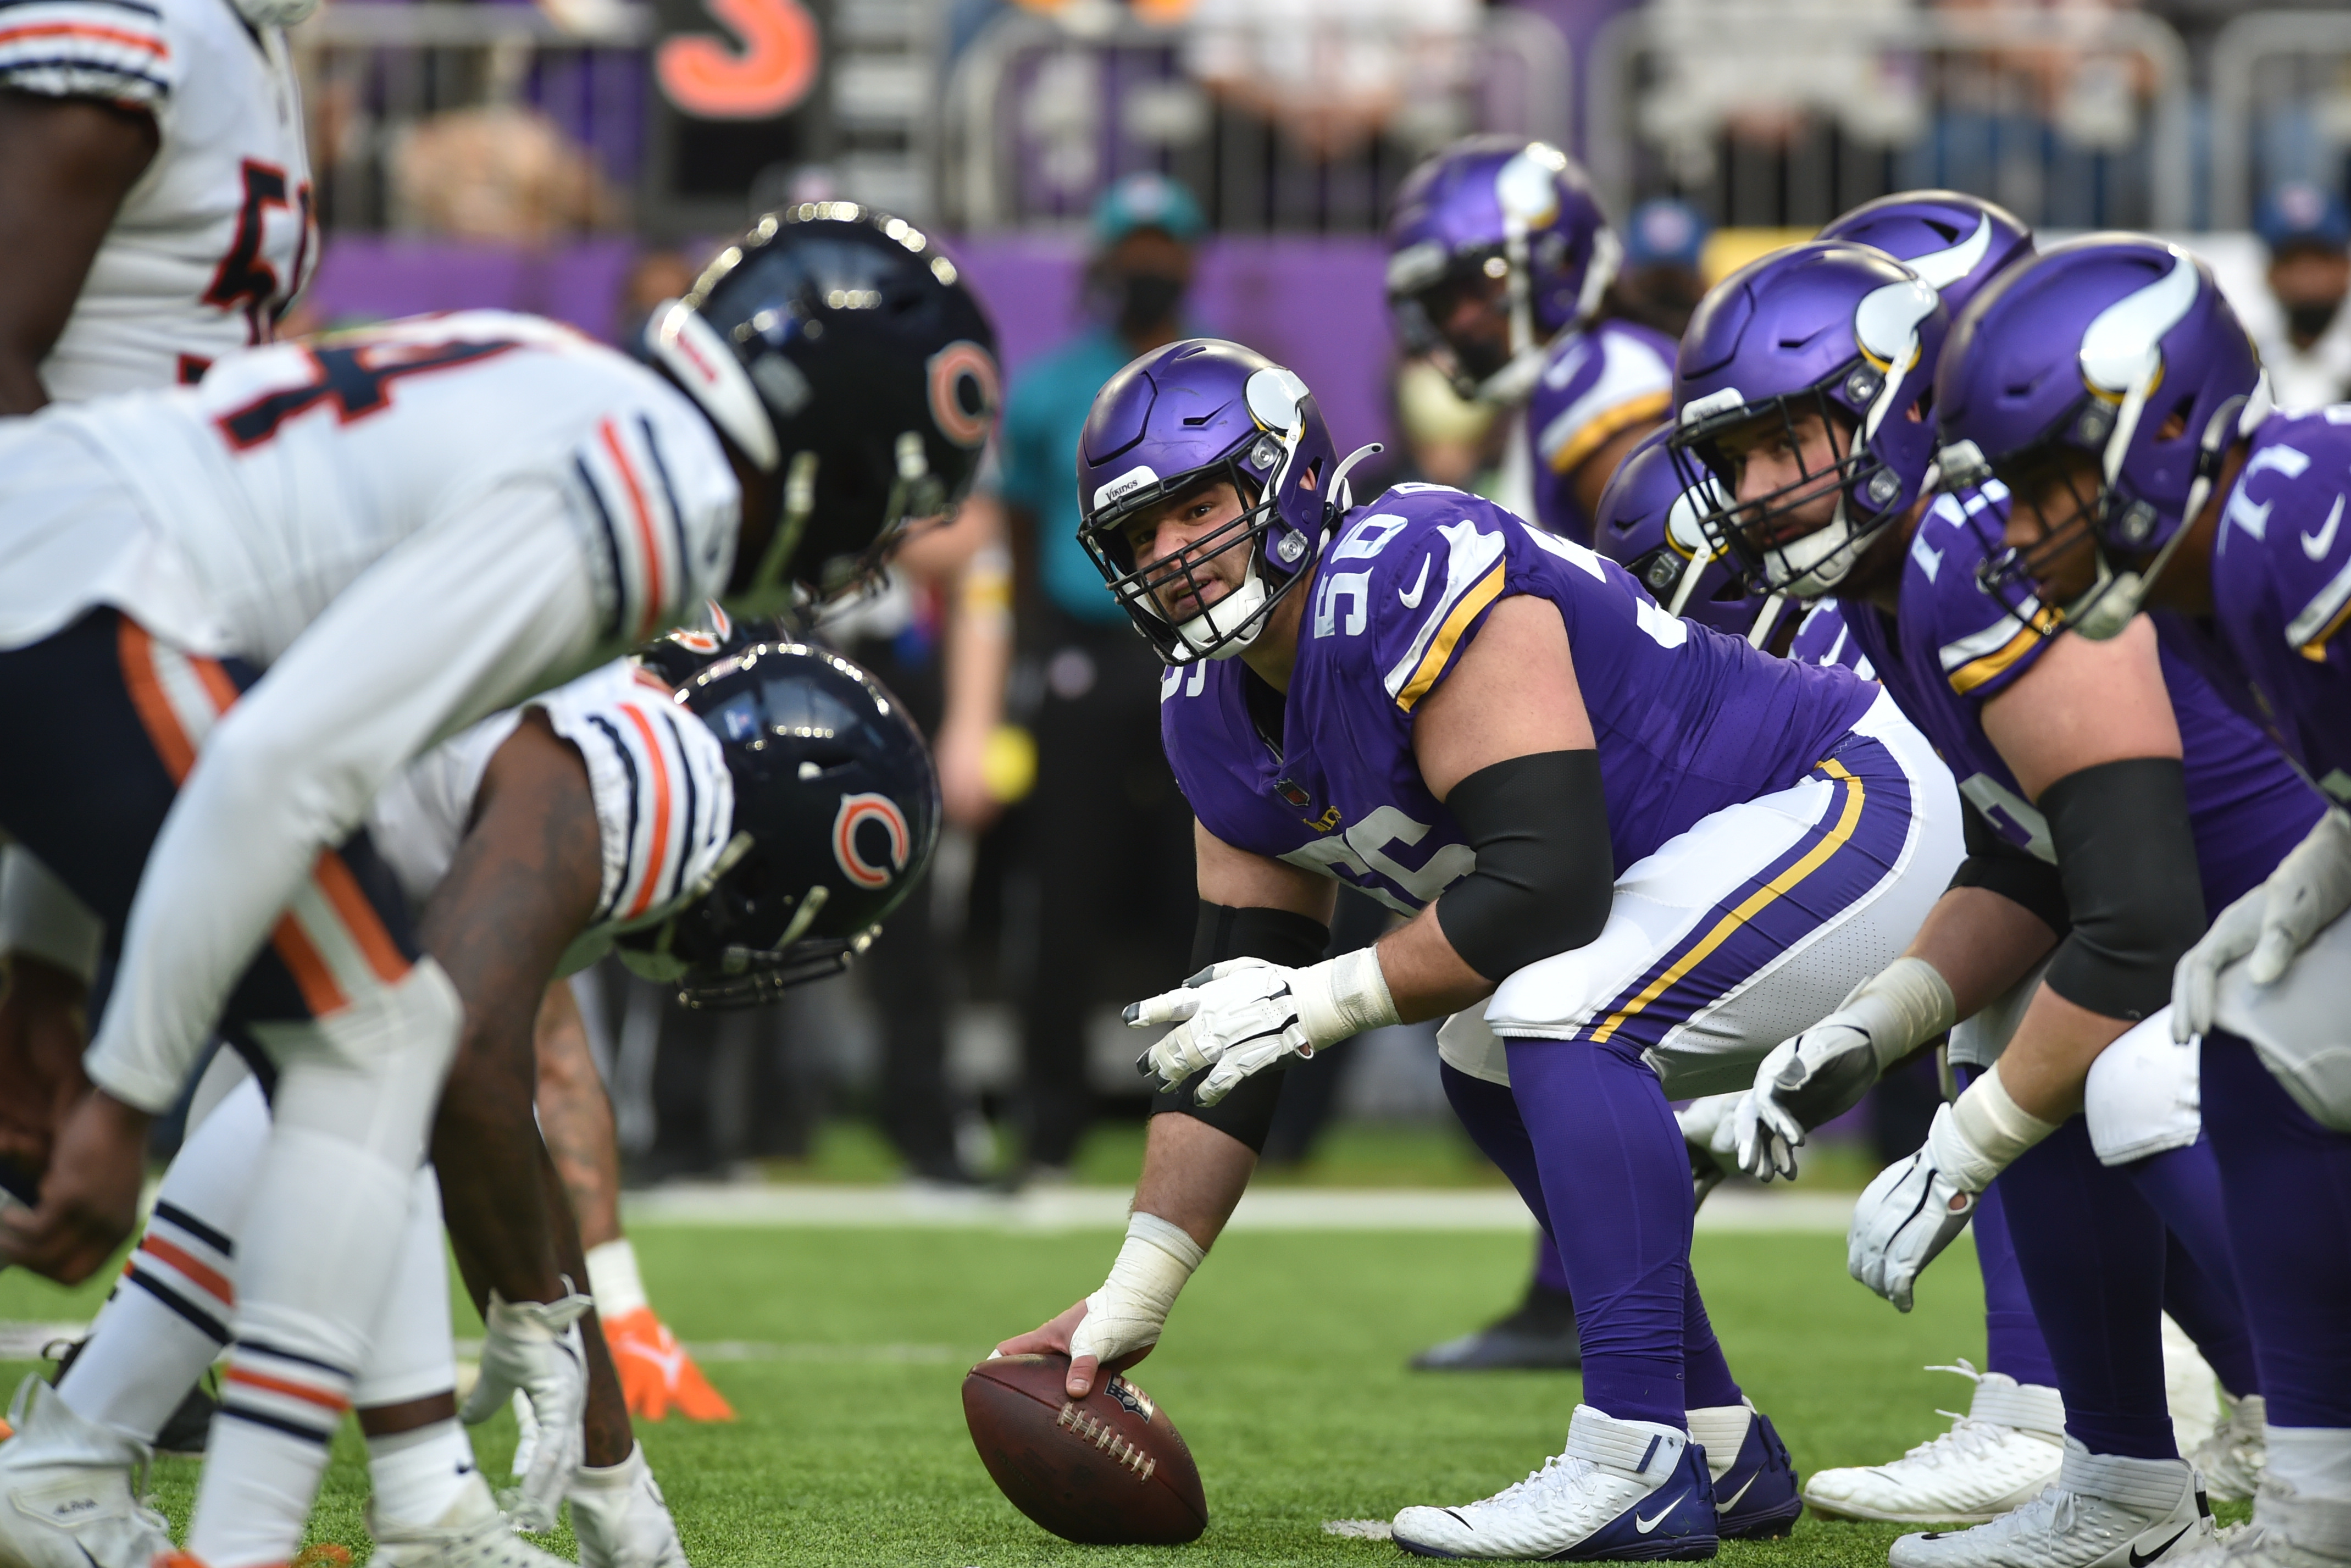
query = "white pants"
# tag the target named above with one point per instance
(1749, 927)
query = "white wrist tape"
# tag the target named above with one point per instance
(1342, 996)
(1131, 1307)
(1901, 1007)
(1982, 1134)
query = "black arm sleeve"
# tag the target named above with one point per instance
(1545, 877)
(1998, 865)
(2128, 858)
(1277, 937)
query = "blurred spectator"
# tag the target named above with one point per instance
(1334, 73)
(1661, 280)
(504, 172)
(2309, 237)
(1447, 438)
(655, 277)
(1108, 838)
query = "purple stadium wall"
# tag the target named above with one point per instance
(1313, 304)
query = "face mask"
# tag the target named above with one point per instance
(1142, 300)
(2310, 318)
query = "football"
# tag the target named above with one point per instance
(1109, 1470)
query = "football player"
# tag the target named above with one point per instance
(2112, 388)
(1499, 266)
(155, 212)
(384, 538)
(1782, 386)
(1650, 846)
(532, 842)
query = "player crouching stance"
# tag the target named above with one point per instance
(1478, 724)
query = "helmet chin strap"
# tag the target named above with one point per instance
(1244, 607)
(1819, 560)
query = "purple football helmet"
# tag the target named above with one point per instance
(1496, 218)
(1837, 333)
(1956, 242)
(1649, 525)
(1184, 417)
(2113, 368)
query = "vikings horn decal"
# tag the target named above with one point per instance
(960, 362)
(1941, 268)
(2123, 347)
(855, 810)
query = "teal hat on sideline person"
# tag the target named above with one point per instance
(1148, 201)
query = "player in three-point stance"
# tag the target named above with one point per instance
(2078, 925)
(2112, 388)
(1636, 856)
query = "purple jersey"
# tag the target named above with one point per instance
(1596, 384)
(1687, 721)
(2281, 587)
(1823, 637)
(1955, 649)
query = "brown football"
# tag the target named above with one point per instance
(1105, 1470)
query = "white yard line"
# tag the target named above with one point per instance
(818, 1207)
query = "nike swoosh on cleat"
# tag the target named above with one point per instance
(1643, 1526)
(2137, 1561)
(1727, 1506)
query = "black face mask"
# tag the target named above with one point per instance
(1139, 302)
(2309, 318)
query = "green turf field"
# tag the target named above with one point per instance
(1284, 1370)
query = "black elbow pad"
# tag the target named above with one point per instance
(1546, 877)
(2128, 855)
(1998, 865)
(1277, 937)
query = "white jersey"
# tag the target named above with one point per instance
(214, 240)
(410, 528)
(664, 801)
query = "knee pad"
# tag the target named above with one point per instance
(2143, 1095)
(410, 1356)
(369, 1074)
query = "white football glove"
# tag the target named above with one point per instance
(1242, 1015)
(535, 1348)
(1709, 1130)
(1824, 1071)
(2308, 892)
(1910, 1213)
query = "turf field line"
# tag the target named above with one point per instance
(831, 1206)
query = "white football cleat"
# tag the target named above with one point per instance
(1623, 1489)
(2232, 1458)
(1998, 1456)
(621, 1518)
(2288, 1531)
(2105, 1511)
(67, 1497)
(472, 1534)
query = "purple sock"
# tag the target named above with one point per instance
(2199, 1276)
(1608, 1153)
(2012, 1342)
(2286, 1186)
(1706, 1375)
(2092, 1253)
(1551, 1274)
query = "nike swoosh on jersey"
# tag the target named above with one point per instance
(1420, 585)
(2315, 546)
(2137, 1560)
(1643, 1526)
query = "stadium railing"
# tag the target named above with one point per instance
(2279, 110)
(1776, 114)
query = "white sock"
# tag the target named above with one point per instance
(170, 1314)
(418, 1476)
(1721, 1431)
(256, 1494)
(2315, 1461)
(613, 1280)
